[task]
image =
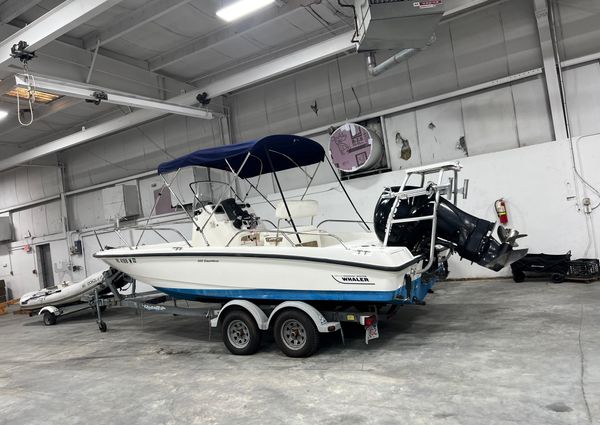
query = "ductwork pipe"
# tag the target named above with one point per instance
(399, 57)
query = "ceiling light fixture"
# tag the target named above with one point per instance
(40, 96)
(241, 8)
(3, 114)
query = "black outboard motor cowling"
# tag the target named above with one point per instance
(469, 236)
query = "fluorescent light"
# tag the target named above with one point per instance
(40, 96)
(241, 8)
(3, 114)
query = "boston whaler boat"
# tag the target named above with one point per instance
(302, 280)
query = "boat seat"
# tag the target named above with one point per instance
(298, 209)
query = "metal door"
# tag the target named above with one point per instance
(45, 265)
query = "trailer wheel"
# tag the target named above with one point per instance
(296, 334)
(519, 276)
(102, 326)
(49, 319)
(557, 278)
(241, 335)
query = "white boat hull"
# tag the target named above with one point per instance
(367, 274)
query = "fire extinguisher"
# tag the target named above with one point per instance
(501, 211)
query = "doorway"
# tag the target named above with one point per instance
(45, 265)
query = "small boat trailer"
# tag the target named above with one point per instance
(94, 301)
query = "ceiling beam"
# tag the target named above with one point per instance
(274, 68)
(234, 30)
(252, 23)
(53, 24)
(553, 83)
(11, 9)
(73, 63)
(271, 69)
(147, 13)
(99, 94)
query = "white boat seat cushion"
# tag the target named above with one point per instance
(298, 209)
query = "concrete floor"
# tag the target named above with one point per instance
(478, 353)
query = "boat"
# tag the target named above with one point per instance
(235, 255)
(67, 293)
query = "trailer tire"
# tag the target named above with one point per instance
(49, 319)
(296, 334)
(102, 327)
(557, 278)
(241, 335)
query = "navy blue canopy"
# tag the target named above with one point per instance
(286, 151)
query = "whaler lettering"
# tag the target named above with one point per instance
(353, 279)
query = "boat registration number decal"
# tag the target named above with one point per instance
(352, 279)
(125, 260)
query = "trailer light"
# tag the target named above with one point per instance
(370, 321)
(331, 328)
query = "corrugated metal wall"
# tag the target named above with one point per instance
(26, 184)
(138, 149)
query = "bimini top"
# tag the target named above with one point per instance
(285, 151)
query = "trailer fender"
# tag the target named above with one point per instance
(320, 321)
(253, 309)
(51, 309)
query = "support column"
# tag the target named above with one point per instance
(553, 87)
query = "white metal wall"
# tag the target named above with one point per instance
(26, 184)
(138, 149)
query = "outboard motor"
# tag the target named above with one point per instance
(469, 236)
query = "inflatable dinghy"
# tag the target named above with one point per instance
(72, 292)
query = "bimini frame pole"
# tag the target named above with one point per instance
(162, 189)
(180, 202)
(346, 193)
(287, 208)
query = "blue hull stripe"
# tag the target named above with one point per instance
(280, 294)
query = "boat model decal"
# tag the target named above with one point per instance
(400, 267)
(352, 279)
